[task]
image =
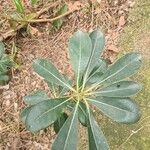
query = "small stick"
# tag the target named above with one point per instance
(12, 32)
(133, 132)
(52, 19)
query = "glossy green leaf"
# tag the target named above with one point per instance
(19, 6)
(97, 140)
(48, 71)
(98, 42)
(58, 23)
(80, 47)
(25, 113)
(33, 99)
(2, 49)
(34, 2)
(98, 71)
(82, 114)
(122, 110)
(67, 136)
(119, 89)
(122, 68)
(36, 97)
(70, 106)
(45, 113)
(54, 88)
(60, 122)
(57, 90)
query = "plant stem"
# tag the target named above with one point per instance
(12, 32)
(50, 20)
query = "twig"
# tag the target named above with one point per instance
(25, 22)
(133, 132)
(12, 32)
(44, 9)
(47, 20)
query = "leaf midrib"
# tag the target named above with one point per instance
(54, 76)
(115, 73)
(118, 70)
(82, 110)
(96, 101)
(52, 109)
(78, 74)
(75, 111)
(91, 125)
(90, 60)
(108, 91)
(94, 73)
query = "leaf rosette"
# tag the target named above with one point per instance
(95, 84)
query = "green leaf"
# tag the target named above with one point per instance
(122, 110)
(58, 91)
(97, 140)
(45, 113)
(4, 78)
(34, 2)
(54, 88)
(98, 42)
(58, 23)
(119, 89)
(25, 113)
(5, 64)
(82, 114)
(19, 6)
(60, 122)
(2, 49)
(121, 69)
(67, 136)
(98, 71)
(48, 71)
(80, 47)
(35, 98)
(70, 106)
